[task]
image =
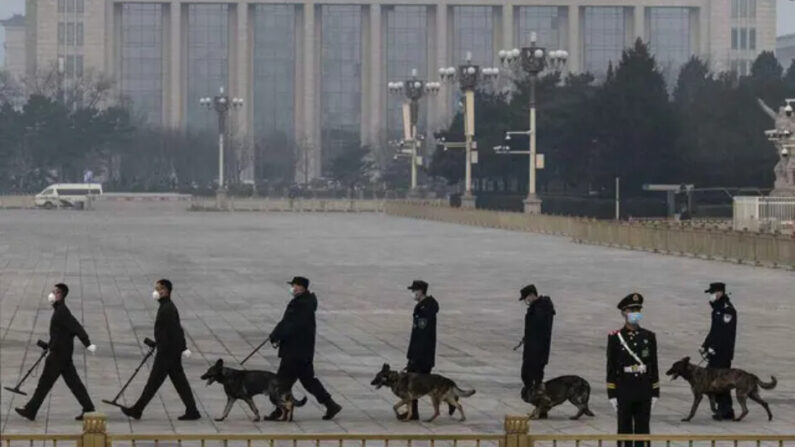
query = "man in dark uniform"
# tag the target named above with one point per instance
(63, 329)
(171, 347)
(422, 345)
(633, 382)
(537, 338)
(718, 347)
(295, 337)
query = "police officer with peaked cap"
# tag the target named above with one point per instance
(633, 382)
(422, 346)
(718, 347)
(537, 337)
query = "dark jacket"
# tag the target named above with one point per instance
(422, 346)
(632, 386)
(538, 330)
(169, 336)
(63, 329)
(295, 334)
(722, 332)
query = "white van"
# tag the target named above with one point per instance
(67, 195)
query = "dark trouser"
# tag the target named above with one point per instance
(167, 367)
(532, 373)
(722, 400)
(292, 370)
(419, 369)
(633, 418)
(55, 367)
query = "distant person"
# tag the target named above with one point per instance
(422, 345)
(171, 348)
(295, 337)
(537, 337)
(64, 327)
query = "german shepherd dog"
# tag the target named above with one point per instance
(409, 386)
(710, 381)
(243, 384)
(554, 392)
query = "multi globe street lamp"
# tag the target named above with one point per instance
(533, 60)
(413, 90)
(221, 104)
(468, 76)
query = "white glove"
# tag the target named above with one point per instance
(614, 403)
(653, 402)
(186, 353)
(711, 351)
(92, 348)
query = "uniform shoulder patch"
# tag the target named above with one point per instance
(614, 332)
(727, 318)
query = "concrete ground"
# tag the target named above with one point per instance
(229, 272)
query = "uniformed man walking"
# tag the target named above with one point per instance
(295, 337)
(171, 347)
(633, 383)
(422, 345)
(63, 329)
(718, 347)
(537, 338)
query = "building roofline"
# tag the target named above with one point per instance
(15, 20)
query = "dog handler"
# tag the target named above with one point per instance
(295, 337)
(537, 337)
(633, 382)
(718, 347)
(63, 329)
(422, 345)
(171, 347)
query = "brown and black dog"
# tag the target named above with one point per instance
(409, 386)
(710, 381)
(554, 392)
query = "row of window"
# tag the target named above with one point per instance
(71, 33)
(743, 9)
(73, 65)
(741, 66)
(77, 6)
(743, 38)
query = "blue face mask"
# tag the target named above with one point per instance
(634, 317)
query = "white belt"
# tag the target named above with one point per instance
(635, 369)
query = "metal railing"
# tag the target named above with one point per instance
(516, 434)
(764, 213)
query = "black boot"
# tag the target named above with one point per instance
(25, 414)
(190, 415)
(332, 408)
(131, 412)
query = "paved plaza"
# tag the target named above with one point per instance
(230, 271)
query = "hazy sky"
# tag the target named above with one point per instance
(786, 17)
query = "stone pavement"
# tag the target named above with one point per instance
(229, 272)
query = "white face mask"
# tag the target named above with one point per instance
(51, 298)
(155, 295)
(292, 291)
(713, 297)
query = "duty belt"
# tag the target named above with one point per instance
(635, 369)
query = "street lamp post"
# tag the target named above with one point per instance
(468, 76)
(413, 90)
(221, 103)
(533, 60)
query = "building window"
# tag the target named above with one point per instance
(79, 66)
(70, 66)
(61, 5)
(208, 60)
(743, 39)
(743, 67)
(735, 10)
(79, 32)
(473, 33)
(545, 21)
(70, 5)
(141, 60)
(752, 9)
(406, 50)
(605, 38)
(751, 38)
(743, 9)
(734, 39)
(80, 6)
(70, 33)
(61, 33)
(669, 39)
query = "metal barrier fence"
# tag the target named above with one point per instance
(767, 250)
(288, 205)
(764, 213)
(516, 434)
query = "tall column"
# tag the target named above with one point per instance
(175, 82)
(442, 51)
(377, 85)
(575, 49)
(639, 23)
(309, 135)
(508, 29)
(243, 88)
